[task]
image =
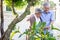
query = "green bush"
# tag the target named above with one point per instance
(36, 32)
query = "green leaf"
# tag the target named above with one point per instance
(52, 27)
(13, 33)
(17, 3)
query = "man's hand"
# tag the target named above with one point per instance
(47, 28)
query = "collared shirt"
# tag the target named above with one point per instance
(37, 19)
(47, 17)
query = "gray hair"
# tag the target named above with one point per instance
(46, 4)
(38, 10)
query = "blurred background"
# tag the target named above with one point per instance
(9, 9)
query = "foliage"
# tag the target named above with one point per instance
(19, 4)
(52, 27)
(14, 31)
(52, 4)
(37, 32)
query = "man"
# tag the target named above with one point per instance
(47, 15)
(34, 18)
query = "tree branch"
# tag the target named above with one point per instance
(14, 22)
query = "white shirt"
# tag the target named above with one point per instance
(37, 19)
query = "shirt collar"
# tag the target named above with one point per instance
(48, 11)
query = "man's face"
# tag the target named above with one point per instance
(46, 9)
(38, 14)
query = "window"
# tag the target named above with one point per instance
(8, 8)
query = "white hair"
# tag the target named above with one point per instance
(46, 4)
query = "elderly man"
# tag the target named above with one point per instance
(47, 15)
(35, 18)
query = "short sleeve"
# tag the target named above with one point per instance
(52, 16)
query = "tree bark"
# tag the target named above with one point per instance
(2, 19)
(12, 7)
(6, 35)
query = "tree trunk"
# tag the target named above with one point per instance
(15, 21)
(13, 10)
(2, 19)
